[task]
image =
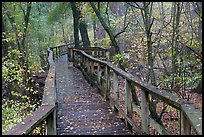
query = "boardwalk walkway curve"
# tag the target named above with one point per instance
(81, 109)
(72, 106)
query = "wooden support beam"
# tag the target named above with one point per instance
(92, 67)
(72, 55)
(107, 56)
(128, 101)
(185, 127)
(145, 112)
(128, 98)
(107, 84)
(115, 91)
(51, 124)
(99, 73)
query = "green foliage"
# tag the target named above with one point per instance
(11, 70)
(121, 59)
(14, 111)
(58, 12)
(10, 114)
(105, 42)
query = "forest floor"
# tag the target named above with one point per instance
(171, 117)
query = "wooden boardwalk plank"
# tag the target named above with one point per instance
(81, 110)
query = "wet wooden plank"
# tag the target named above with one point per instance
(86, 109)
(163, 95)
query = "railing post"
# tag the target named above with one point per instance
(107, 84)
(74, 57)
(56, 55)
(128, 98)
(67, 51)
(185, 127)
(115, 90)
(55, 52)
(71, 55)
(79, 59)
(51, 124)
(99, 75)
(60, 49)
(107, 55)
(128, 101)
(88, 65)
(83, 62)
(145, 112)
(92, 67)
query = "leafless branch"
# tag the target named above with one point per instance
(121, 31)
(22, 9)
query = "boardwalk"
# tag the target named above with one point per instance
(81, 109)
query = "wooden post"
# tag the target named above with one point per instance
(185, 127)
(99, 75)
(83, 62)
(71, 54)
(92, 67)
(107, 56)
(97, 54)
(88, 65)
(74, 57)
(145, 112)
(128, 102)
(55, 52)
(59, 51)
(68, 54)
(115, 90)
(128, 98)
(107, 84)
(78, 59)
(51, 124)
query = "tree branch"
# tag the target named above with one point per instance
(107, 13)
(123, 30)
(22, 9)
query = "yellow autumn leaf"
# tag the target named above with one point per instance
(198, 125)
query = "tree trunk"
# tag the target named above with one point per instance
(5, 44)
(76, 23)
(146, 12)
(26, 19)
(107, 29)
(63, 33)
(83, 30)
(175, 36)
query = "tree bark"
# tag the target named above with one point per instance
(83, 30)
(26, 19)
(107, 29)
(76, 24)
(5, 44)
(175, 36)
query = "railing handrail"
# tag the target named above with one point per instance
(193, 115)
(47, 107)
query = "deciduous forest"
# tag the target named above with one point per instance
(158, 42)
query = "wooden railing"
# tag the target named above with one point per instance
(106, 77)
(47, 110)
